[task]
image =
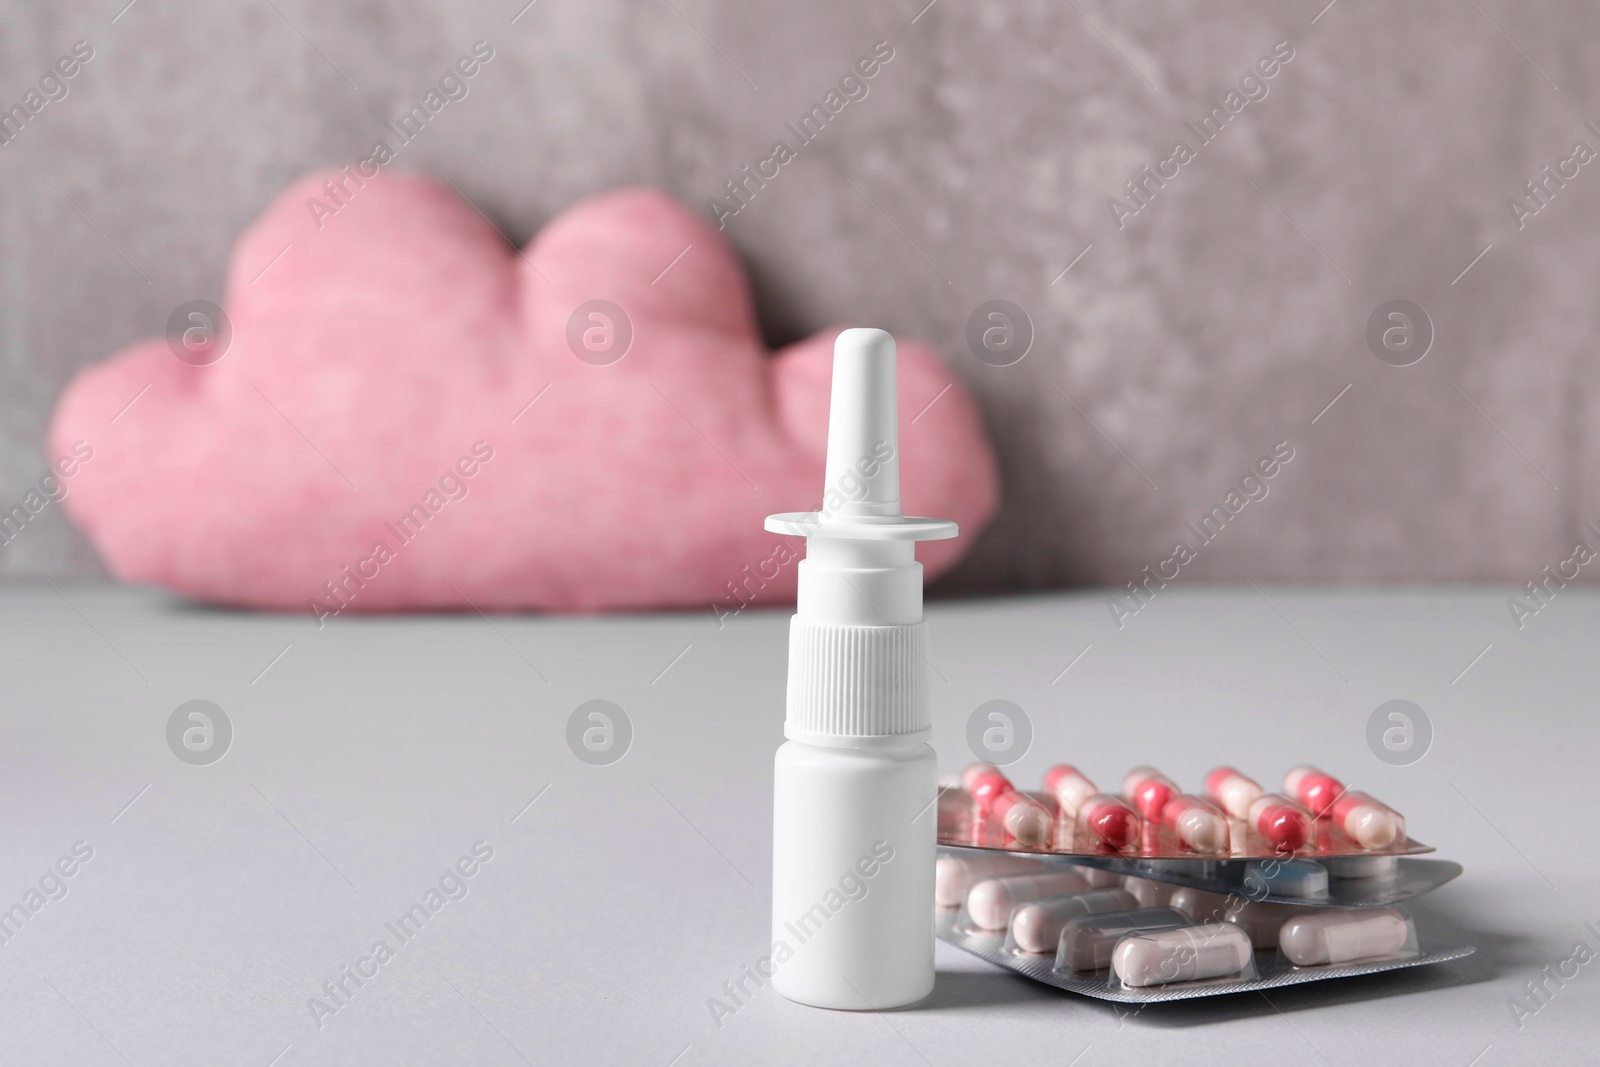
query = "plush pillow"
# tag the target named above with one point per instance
(402, 419)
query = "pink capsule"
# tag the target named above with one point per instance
(1069, 787)
(1200, 826)
(1281, 821)
(1317, 791)
(973, 770)
(1148, 790)
(985, 784)
(1024, 818)
(1369, 822)
(1233, 791)
(1109, 821)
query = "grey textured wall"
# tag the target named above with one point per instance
(1221, 319)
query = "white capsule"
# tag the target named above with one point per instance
(1200, 826)
(991, 902)
(1187, 954)
(1099, 877)
(1201, 906)
(955, 874)
(1328, 936)
(1037, 927)
(1148, 892)
(1024, 818)
(1369, 822)
(1087, 942)
(1262, 920)
(1069, 787)
(1233, 791)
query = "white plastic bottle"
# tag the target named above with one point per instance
(854, 790)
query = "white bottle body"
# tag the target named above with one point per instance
(855, 788)
(853, 871)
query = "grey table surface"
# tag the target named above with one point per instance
(369, 756)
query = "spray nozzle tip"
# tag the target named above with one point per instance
(861, 497)
(864, 339)
(863, 470)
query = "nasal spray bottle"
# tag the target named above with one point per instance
(854, 810)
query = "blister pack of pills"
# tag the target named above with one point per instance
(1158, 895)
(1153, 818)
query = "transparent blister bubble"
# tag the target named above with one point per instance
(1368, 824)
(957, 872)
(1262, 920)
(1280, 826)
(989, 904)
(1202, 954)
(1086, 941)
(1035, 927)
(1199, 826)
(1149, 892)
(1339, 937)
(1100, 878)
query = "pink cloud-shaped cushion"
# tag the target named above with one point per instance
(382, 351)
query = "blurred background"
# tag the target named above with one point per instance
(1174, 340)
